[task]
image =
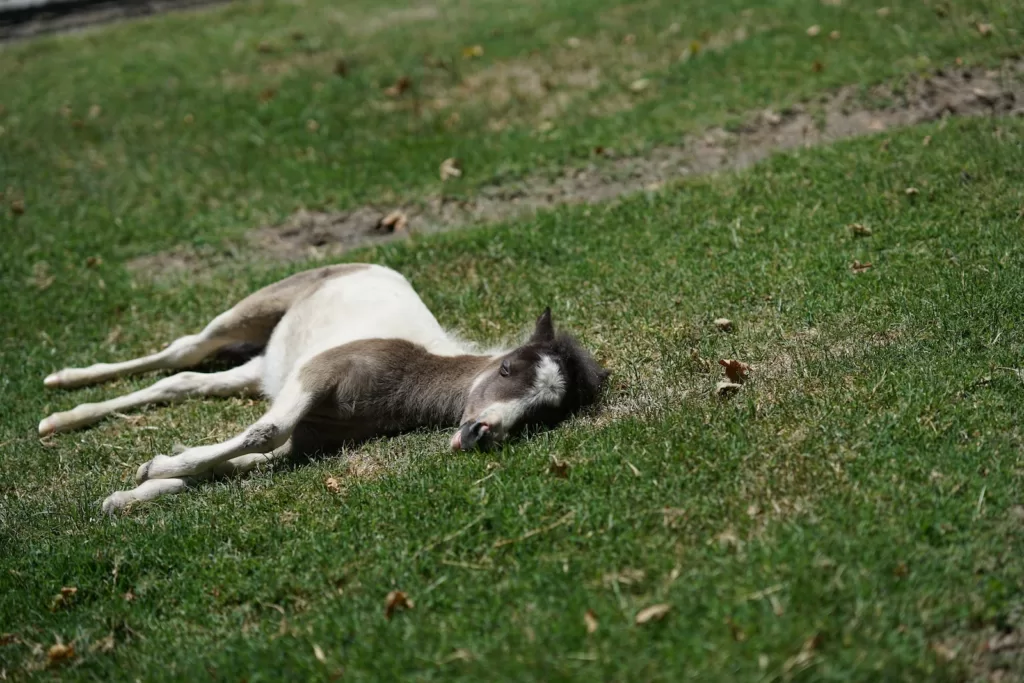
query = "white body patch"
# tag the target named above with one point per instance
(375, 303)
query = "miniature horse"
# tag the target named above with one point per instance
(349, 352)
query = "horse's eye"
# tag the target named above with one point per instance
(505, 369)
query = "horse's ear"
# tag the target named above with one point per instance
(544, 331)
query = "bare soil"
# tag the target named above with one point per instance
(837, 116)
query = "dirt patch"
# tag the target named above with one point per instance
(841, 115)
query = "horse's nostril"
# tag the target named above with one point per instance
(481, 428)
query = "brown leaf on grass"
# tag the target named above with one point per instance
(901, 570)
(332, 484)
(817, 67)
(267, 94)
(341, 68)
(652, 613)
(927, 140)
(859, 230)
(396, 600)
(400, 86)
(984, 29)
(473, 51)
(629, 39)
(450, 168)
(318, 652)
(814, 30)
(396, 221)
(59, 652)
(911, 191)
(93, 261)
(735, 370)
(590, 620)
(858, 267)
(128, 596)
(266, 47)
(558, 468)
(7, 638)
(17, 207)
(723, 324)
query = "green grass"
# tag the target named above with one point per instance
(857, 495)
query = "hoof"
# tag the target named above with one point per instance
(47, 427)
(52, 380)
(116, 502)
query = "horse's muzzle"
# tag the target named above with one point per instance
(473, 435)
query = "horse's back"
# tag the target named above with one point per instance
(374, 302)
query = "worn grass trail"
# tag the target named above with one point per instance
(852, 513)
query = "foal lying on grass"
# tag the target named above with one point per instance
(349, 352)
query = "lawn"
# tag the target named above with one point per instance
(853, 512)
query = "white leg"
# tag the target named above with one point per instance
(154, 488)
(243, 379)
(269, 432)
(181, 353)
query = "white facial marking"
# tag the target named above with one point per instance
(548, 388)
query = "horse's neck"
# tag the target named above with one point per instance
(435, 388)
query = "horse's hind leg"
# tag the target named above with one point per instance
(245, 379)
(251, 321)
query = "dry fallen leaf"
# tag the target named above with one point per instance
(450, 169)
(396, 600)
(984, 29)
(558, 468)
(652, 613)
(266, 47)
(639, 85)
(128, 596)
(834, 35)
(817, 66)
(859, 267)
(341, 68)
(333, 485)
(859, 230)
(813, 30)
(590, 619)
(59, 653)
(626, 577)
(723, 324)
(7, 638)
(473, 51)
(318, 652)
(267, 94)
(901, 570)
(17, 207)
(396, 221)
(927, 140)
(911, 191)
(735, 370)
(400, 86)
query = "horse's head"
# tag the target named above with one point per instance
(542, 382)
